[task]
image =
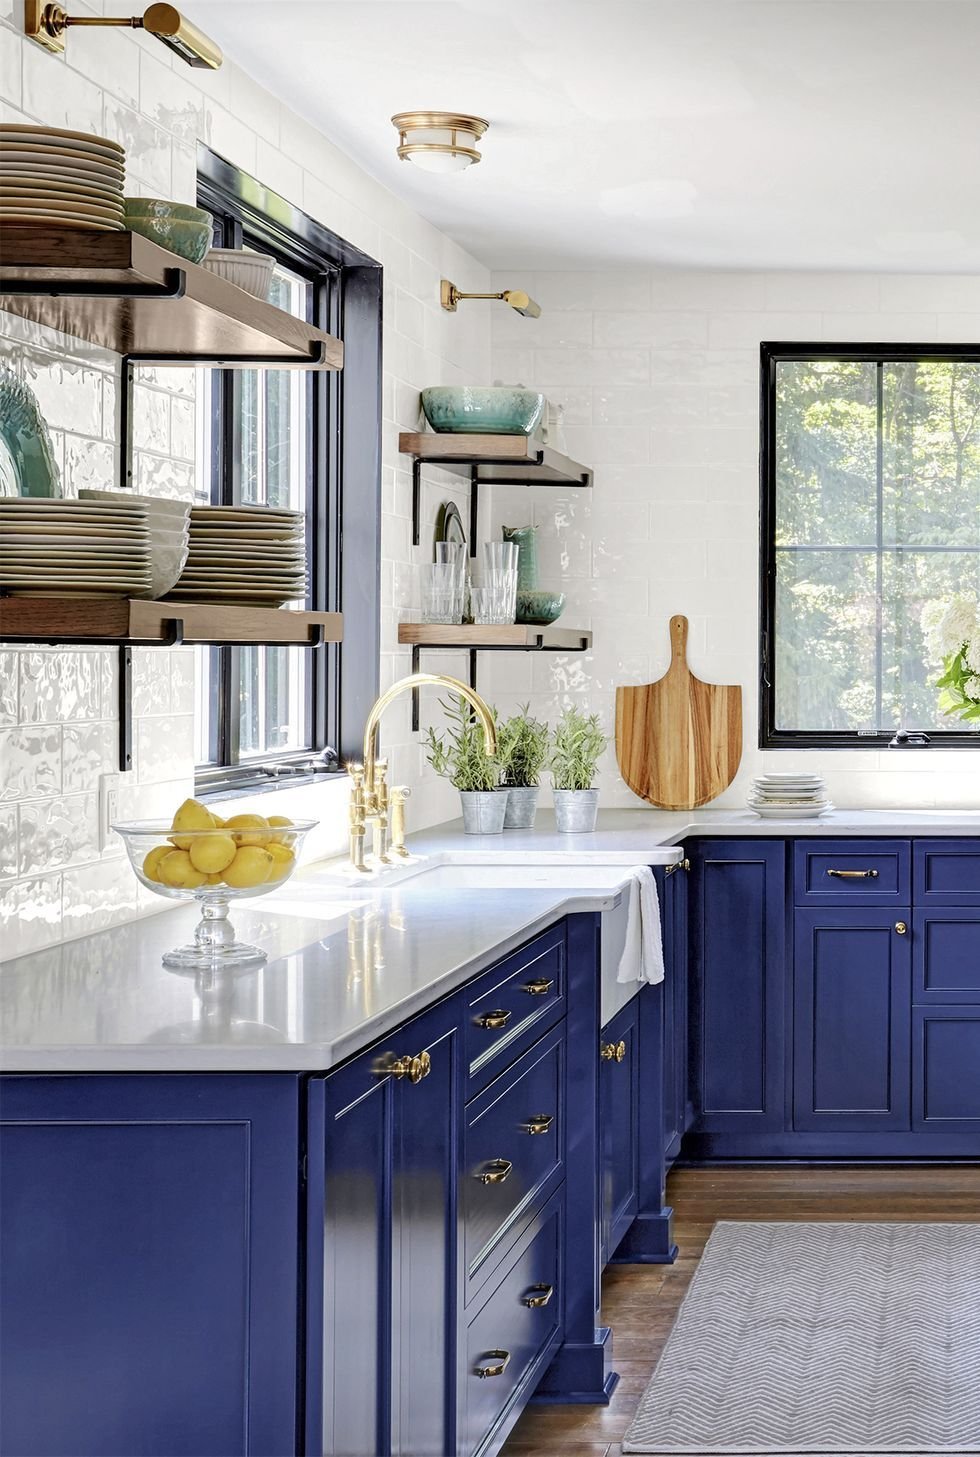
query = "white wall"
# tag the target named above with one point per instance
(58, 726)
(659, 375)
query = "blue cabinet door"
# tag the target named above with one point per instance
(149, 1265)
(946, 1075)
(384, 1152)
(946, 954)
(947, 872)
(852, 1011)
(738, 985)
(619, 1110)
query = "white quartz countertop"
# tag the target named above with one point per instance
(350, 957)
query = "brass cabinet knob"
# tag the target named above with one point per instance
(902, 928)
(413, 1068)
(492, 1020)
(539, 1123)
(539, 988)
(684, 864)
(537, 1296)
(496, 1172)
(496, 1364)
(613, 1051)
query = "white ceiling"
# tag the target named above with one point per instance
(840, 134)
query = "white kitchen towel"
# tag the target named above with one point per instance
(643, 953)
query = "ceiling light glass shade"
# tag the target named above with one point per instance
(439, 141)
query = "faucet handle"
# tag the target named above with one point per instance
(399, 794)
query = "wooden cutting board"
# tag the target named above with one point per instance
(679, 741)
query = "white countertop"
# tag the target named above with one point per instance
(350, 958)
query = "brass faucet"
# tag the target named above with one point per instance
(371, 800)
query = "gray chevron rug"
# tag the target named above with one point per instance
(797, 1339)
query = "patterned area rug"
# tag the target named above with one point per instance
(795, 1339)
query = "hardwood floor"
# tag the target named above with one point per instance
(640, 1302)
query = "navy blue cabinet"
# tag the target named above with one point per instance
(678, 1113)
(946, 1088)
(619, 1114)
(852, 1019)
(149, 1266)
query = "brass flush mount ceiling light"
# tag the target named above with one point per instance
(47, 25)
(449, 297)
(439, 141)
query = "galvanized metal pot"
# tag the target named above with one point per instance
(522, 804)
(576, 811)
(483, 810)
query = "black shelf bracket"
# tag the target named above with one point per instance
(174, 286)
(583, 479)
(537, 646)
(125, 688)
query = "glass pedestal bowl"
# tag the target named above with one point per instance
(249, 862)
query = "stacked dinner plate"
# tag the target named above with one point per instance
(789, 796)
(246, 554)
(52, 178)
(62, 548)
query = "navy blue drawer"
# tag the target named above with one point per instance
(946, 955)
(837, 872)
(513, 1154)
(513, 1004)
(947, 872)
(946, 1082)
(512, 1336)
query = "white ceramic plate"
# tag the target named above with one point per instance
(60, 150)
(30, 131)
(244, 513)
(787, 778)
(798, 812)
(16, 176)
(85, 225)
(60, 207)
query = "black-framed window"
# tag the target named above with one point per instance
(307, 440)
(870, 470)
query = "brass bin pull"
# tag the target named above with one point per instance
(537, 1296)
(413, 1068)
(539, 1123)
(853, 874)
(901, 928)
(496, 1172)
(613, 1051)
(492, 1020)
(498, 1363)
(539, 988)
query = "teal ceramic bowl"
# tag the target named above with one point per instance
(538, 608)
(482, 410)
(177, 226)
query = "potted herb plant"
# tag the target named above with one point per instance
(524, 744)
(459, 755)
(576, 747)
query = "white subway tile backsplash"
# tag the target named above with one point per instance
(9, 678)
(30, 762)
(55, 832)
(30, 915)
(98, 895)
(90, 749)
(60, 686)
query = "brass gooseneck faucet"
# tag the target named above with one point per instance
(371, 800)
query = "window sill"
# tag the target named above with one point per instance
(262, 784)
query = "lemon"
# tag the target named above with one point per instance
(176, 869)
(151, 865)
(249, 829)
(280, 822)
(216, 878)
(251, 866)
(219, 823)
(283, 860)
(212, 852)
(192, 815)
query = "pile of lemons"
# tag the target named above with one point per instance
(244, 851)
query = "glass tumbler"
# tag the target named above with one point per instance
(500, 561)
(453, 554)
(441, 595)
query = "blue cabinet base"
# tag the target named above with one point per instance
(581, 1374)
(872, 1147)
(648, 1241)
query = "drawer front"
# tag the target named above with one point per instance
(946, 1076)
(946, 955)
(513, 1004)
(947, 872)
(837, 872)
(513, 1154)
(509, 1335)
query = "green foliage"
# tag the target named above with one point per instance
(577, 745)
(523, 744)
(459, 754)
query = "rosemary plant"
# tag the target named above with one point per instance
(524, 745)
(577, 745)
(459, 754)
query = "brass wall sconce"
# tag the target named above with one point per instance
(450, 296)
(439, 141)
(47, 25)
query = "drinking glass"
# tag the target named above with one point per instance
(441, 595)
(453, 554)
(500, 559)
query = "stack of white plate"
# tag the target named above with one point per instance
(169, 523)
(62, 548)
(53, 178)
(244, 554)
(790, 796)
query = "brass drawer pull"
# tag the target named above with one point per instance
(613, 1051)
(537, 1296)
(497, 1171)
(853, 874)
(539, 1123)
(492, 1020)
(539, 988)
(413, 1068)
(684, 864)
(498, 1363)
(901, 928)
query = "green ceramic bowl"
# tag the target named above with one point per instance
(539, 607)
(183, 229)
(482, 410)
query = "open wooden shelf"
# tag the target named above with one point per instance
(487, 460)
(126, 294)
(121, 621)
(517, 636)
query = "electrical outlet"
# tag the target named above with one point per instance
(109, 787)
